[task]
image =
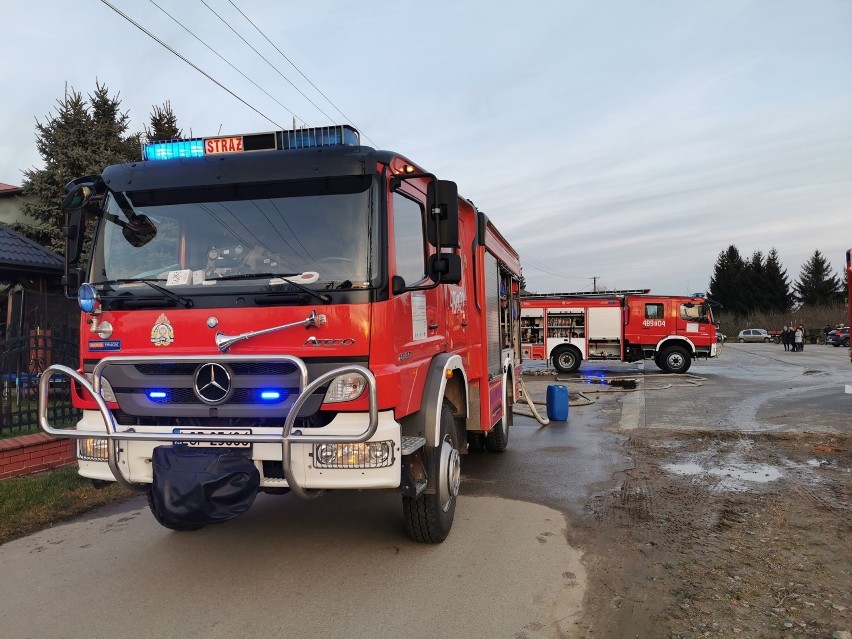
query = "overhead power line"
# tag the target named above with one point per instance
(194, 66)
(262, 57)
(221, 57)
(292, 64)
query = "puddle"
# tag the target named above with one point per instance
(734, 478)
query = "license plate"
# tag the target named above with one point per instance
(223, 433)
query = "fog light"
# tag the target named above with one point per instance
(364, 455)
(345, 388)
(92, 449)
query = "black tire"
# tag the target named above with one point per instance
(675, 359)
(178, 527)
(475, 442)
(835, 344)
(498, 439)
(766, 340)
(567, 359)
(429, 517)
(741, 340)
(846, 342)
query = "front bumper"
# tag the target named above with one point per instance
(134, 456)
(129, 447)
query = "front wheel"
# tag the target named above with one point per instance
(675, 359)
(566, 359)
(429, 516)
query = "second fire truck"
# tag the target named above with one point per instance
(569, 329)
(286, 312)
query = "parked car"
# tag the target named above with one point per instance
(754, 335)
(838, 337)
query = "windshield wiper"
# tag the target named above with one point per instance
(325, 299)
(184, 301)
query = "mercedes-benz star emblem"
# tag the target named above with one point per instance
(212, 383)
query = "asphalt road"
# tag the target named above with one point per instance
(341, 566)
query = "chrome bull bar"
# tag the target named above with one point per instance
(287, 437)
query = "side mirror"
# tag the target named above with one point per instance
(442, 215)
(445, 268)
(75, 235)
(139, 231)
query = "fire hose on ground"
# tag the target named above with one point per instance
(623, 384)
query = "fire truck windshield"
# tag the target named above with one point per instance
(218, 239)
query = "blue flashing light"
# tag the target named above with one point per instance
(174, 149)
(338, 135)
(157, 395)
(87, 298)
(270, 395)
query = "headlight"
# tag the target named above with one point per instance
(364, 455)
(106, 389)
(92, 449)
(345, 388)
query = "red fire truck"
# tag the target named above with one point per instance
(568, 329)
(286, 312)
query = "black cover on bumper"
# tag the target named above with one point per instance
(197, 486)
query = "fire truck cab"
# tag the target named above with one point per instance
(286, 312)
(570, 329)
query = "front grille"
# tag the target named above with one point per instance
(239, 368)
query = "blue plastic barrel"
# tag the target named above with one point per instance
(557, 403)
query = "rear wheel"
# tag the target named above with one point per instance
(429, 516)
(498, 439)
(675, 359)
(566, 359)
(741, 340)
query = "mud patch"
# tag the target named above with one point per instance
(681, 550)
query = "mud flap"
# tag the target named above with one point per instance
(199, 486)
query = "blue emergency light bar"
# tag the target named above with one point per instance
(338, 135)
(174, 149)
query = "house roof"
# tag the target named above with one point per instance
(21, 255)
(8, 189)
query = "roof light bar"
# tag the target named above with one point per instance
(173, 149)
(337, 135)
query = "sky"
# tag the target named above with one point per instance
(621, 144)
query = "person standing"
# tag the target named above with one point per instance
(785, 338)
(797, 339)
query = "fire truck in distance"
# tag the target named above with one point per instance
(627, 327)
(286, 312)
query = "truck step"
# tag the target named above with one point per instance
(410, 444)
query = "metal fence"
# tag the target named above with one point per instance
(26, 353)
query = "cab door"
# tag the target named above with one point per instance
(656, 321)
(416, 322)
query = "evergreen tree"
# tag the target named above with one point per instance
(80, 139)
(778, 295)
(726, 284)
(163, 124)
(755, 283)
(817, 285)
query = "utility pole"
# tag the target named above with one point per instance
(594, 283)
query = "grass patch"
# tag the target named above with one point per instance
(34, 502)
